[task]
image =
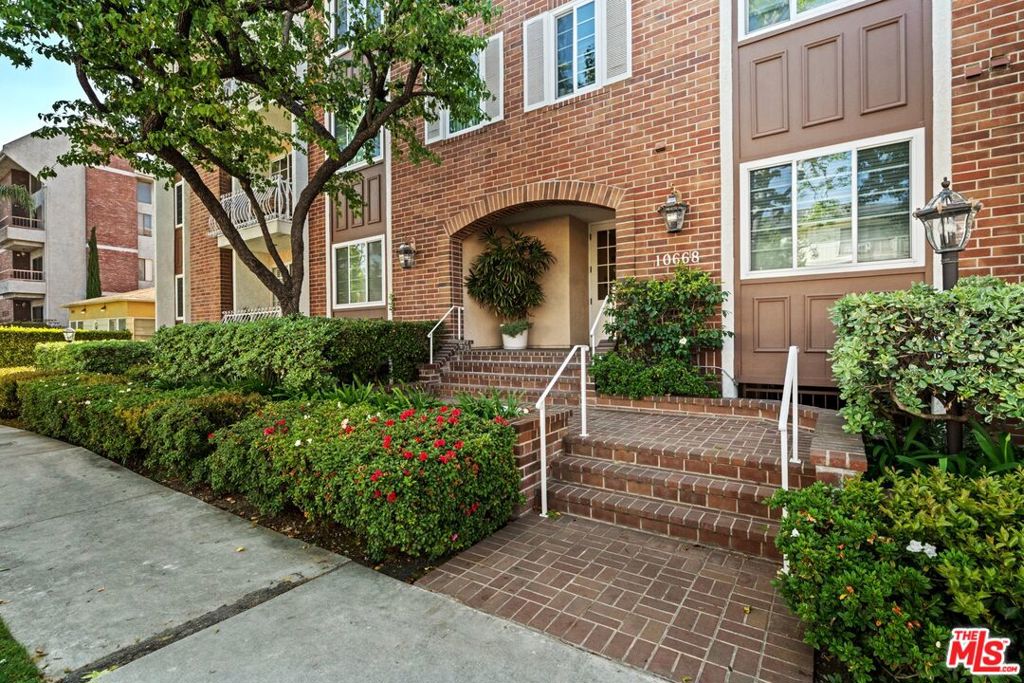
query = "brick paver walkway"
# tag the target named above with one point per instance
(688, 613)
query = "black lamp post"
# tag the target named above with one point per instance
(948, 220)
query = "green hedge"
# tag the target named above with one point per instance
(425, 482)
(113, 357)
(298, 354)
(881, 571)
(17, 344)
(617, 375)
(9, 379)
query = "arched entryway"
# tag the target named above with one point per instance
(585, 225)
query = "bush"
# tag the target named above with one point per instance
(881, 571)
(895, 351)
(113, 357)
(617, 375)
(300, 355)
(656, 319)
(9, 378)
(17, 344)
(422, 482)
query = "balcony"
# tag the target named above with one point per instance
(276, 202)
(22, 284)
(19, 232)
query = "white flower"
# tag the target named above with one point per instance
(344, 423)
(794, 533)
(525, 410)
(298, 442)
(339, 404)
(305, 417)
(929, 550)
(88, 402)
(59, 402)
(915, 546)
(683, 341)
(308, 441)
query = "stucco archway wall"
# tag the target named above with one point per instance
(497, 207)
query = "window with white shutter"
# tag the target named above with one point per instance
(579, 47)
(491, 64)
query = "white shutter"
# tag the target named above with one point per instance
(433, 130)
(535, 62)
(617, 39)
(494, 77)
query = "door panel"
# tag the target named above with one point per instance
(603, 250)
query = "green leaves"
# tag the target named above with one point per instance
(505, 278)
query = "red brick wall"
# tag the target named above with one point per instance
(633, 140)
(988, 131)
(110, 207)
(317, 244)
(207, 267)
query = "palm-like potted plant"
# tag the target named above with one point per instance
(505, 279)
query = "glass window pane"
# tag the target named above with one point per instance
(804, 5)
(143, 192)
(824, 202)
(761, 13)
(563, 56)
(341, 276)
(179, 204)
(771, 218)
(357, 273)
(586, 46)
(883, 203)
(375, 271)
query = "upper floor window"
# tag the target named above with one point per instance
(179, 204)
(576, 48)
(282, 168)
(490, 63)
(764, 14)
(143, 192)
(144, 206)
(372, 151)
(145, 270)
(839, 208)
(344, 13)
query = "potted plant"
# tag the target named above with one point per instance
(505, 279)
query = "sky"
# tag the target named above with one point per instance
(25, 93)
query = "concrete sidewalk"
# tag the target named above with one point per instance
(98, 563)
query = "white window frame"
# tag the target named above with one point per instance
(442, 112)
(917, 198)
(179, 298)
(383, 274)
(144, 208)
(147, 269)
(794, 17)
(332, 10)
(179, 191)
(551, 53)
(358, 162)
(599, 49)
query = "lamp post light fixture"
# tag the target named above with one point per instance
(407, 255)
(948, 220)
(674, 212)
(69, 334)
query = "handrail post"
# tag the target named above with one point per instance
(430, 339)
(796, 406)
(459, 315)
(583, 390)
(543, 462)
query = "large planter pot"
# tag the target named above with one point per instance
(516, 342)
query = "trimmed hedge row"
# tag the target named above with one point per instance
(10, 406)
(302, 355)
(17, 344)
(105, 357)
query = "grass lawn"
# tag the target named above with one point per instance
(15, 664)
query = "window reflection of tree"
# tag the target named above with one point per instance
(824, 205)
(771, 218)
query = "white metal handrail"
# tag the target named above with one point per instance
(790, 397)
(597, 321)
(275, 200)
(249, 314)
(458, 328)
(542, 410)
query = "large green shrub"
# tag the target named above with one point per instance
(895, 351)
(17, 344)
(618, 375)
(881, 571)
(9, 379)
(299, 354)
(113, 357)
(423, 482)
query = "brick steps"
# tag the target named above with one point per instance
(546, 368)
(522, 382)
(744, 533)
(447, 389)
(727, 495)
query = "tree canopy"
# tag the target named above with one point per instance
(179, 87)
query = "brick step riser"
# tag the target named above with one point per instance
(506, 382)
(753, 543)
(712, 498)
(752, 472)
(526, 397)
(515, 357)
(500, 368)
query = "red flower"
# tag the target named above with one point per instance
(445, 458)
(407, 455)
(392, 497)
(387, 441)
(458, 444)
(376, 494)
(406, 414)
(280, 422)
(440, 419)
(444, 409)
(374, 419)
(423, 456)
(406, 472)
(389, 423)
(500, 420)
(268, 431)
(376, 475)
(210, 436)
(456, 412)
(423, 418)
(418, 439)
(439, 443)
(349, 429)
(453, 420)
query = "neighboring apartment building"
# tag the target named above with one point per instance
(43, 253)
(801, 133)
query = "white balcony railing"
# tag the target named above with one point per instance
(25, 275)
(249, 314)
(275, 200)
(21, 222)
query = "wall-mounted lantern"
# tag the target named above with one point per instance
(674, 212)
(948, 219)
(407, 255)
(69, 334)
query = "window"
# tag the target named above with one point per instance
(145, 224)
(344, 14)
(838, 208)
(117, 324)
(371, 153)
(179, 204)
(490, 62)
(576, 48)
(282, 168)
(765, 14)
(179, 297)
(37, 314)
(144, 206)
(143, 192)
(359, 273)
(145, 270)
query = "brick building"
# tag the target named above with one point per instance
(43, 253)
(801, 133)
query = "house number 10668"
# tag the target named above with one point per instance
(677, 258)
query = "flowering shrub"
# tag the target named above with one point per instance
(425, 482)
(881, 571)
